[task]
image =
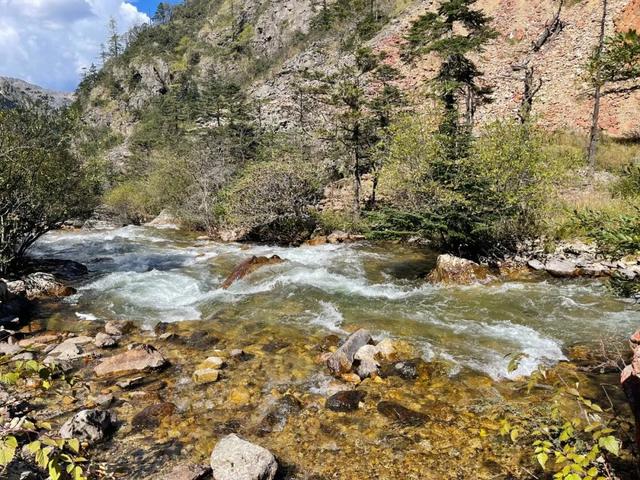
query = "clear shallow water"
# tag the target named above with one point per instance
(150, 275)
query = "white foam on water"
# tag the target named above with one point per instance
(86, 316)
(330, 317)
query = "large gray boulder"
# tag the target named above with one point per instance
(561, 268)
(89, 425)
(236, 459)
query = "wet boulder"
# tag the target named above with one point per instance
(89, 425)
(451, 270)
(406, 369)
(137, 359)
(345, 401)
(152, 415)
(367, 363)
(249, 266)
(62, 269)
(236, 459)
(341, 361)
(401, 415)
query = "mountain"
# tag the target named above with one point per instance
(15, 93)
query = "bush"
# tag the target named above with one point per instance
(41, 182)
(616, 235)
(629, 184)
(484, 203)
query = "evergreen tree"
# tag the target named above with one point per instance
(440, 33)
(114, 42)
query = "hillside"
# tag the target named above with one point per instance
(266, 45)
(15, 92)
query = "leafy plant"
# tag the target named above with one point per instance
(616, 235)
(28, 368)
(59, 457)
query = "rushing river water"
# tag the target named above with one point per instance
(152, 275)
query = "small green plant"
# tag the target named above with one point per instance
(615, 235)
(29, 368)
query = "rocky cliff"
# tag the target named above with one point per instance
(264, 45)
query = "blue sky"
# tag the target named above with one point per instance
(49, 42)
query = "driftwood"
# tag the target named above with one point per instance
(249, 266)
(554, 26)
(531, 88)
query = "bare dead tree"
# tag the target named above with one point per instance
(552, 27)
(531, 88)
(597, 94)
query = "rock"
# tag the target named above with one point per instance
(61, 269)
(212, 362)
(206, 375)
(139, 358)
(338, 236)
(345, 401)
(342, 359)
(89, 425)
(130, 383)
(236, 459)
(536, 265)
(561, 268)
(367, 364)
(188, 472)
(276, 418)
(401, 415)
(594, 270)
(151, 416)
(39, 285)
(164, 220)
(25, 356)
(408, 370)
(452, 270)
(275, 346)
(4, 291)
(249, 266)
(65, 351)
(42, 339)
(627, 273)
(315, 241)
(9, 349)
(117, 328)
(104, 340)
(79, 340)
(104, 401)
(386, 348)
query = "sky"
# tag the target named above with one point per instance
(49, 42)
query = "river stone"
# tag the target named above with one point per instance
(594, 270)
(341, 360)
(41, 284)
(206, 375)
(249, 266)
(151, 416)
(345, 401)
(9, 349)
(536, 265)
(89, 425)
(236, 459)
(367, 365)
(117, 327)
(401, 415)
(188, 472)
(104, 340)
(561, 268)
(457, 271)
(139, 358)
(407, 369)
(276, 418)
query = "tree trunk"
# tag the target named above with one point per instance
(594, 134)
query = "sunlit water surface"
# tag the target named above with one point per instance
(152, 275)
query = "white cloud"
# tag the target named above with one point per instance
(49, 42)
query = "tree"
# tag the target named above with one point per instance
(362, 101)
(598, 82)
(438, 32)
(41, 182)
(114, 42)
(163, 14)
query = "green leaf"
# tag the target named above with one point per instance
(74, 444)
(610, 443)
(542, 459)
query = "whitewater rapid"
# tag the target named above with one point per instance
(149, 275)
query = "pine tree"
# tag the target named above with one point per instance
(438, 32)
(114, 41)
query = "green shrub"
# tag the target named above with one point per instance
(483, 203)
(629, 184)
(616, 235)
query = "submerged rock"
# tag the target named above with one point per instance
(342, 359)
(139, 358)
(188, 472)
(345, 401)
(206, 375)
(401, 415)
(407, 369)
(236, 459)
(249, 266)
(458, 271)
(276, 417)
(89, 425)
(151, 416)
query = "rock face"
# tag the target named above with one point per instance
(342, 359)
(89, 425)
(236, 459)
(452, 270)
(138, 359)
(249, 266)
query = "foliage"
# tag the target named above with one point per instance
(27, 368)
(629, 184)
(480, 204)
(438, 32)
(616, 235)
(59, 457)
(619, 59)
(41, 182)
